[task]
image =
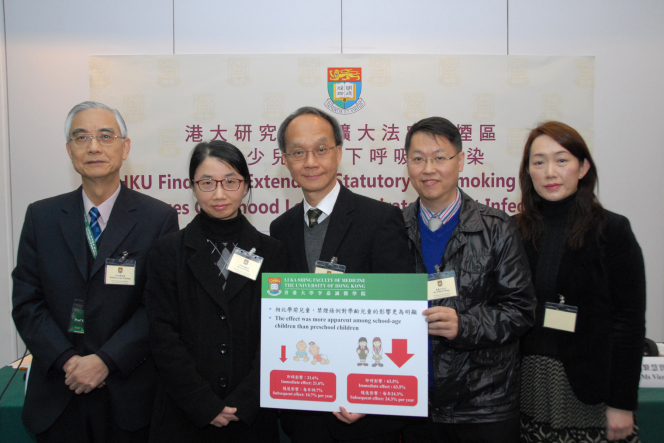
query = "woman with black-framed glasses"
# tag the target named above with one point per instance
(205, 316)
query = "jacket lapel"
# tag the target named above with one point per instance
(412, 222)
(298, 258)
(201, 261)
(248, 239)
(340, 221)
(120, 224)
(73, 230)
(470, 220)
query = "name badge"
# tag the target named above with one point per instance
(329, 267)
(244, 263)
(560, 316)
(441, 285)
(77, 317)
(120, 272)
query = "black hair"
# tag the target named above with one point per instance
(587, 210)
(336, 129)
(224, 152)
(436, 126)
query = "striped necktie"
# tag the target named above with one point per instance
(313, 215)
(94, 223)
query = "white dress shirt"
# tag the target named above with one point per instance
(104, 209)
(326, 205)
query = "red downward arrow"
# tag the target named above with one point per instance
(283, 354)
(399, 354)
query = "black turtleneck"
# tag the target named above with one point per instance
(551, 244)
(550, 248)
(223, 231)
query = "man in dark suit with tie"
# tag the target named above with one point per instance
(81, 315)
(365, 235)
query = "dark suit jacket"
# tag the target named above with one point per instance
(368, 236)
(52, 271)
(606, 281)
(206, 340)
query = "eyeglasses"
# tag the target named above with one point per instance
(209, 185)
(436, 161)
(104, 138)
(301, 154)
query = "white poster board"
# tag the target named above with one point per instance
(354, 340)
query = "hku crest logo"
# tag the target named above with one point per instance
(168, 143)
(168, 73)
(99, 74)
(585, 73)
(204, 107)
(274, 106)
(414, 104)
(309, 71)
(518, 73)
(450, 71)
(134, 108)
(552, 105)
(238, 72)
(379, 75)
(516, 137)
(344, 86)
(483, 104)
(275, 286)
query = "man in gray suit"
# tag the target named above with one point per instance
(76, 304)
(365, 235)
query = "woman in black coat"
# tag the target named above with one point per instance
(582, 359)
(204, 319)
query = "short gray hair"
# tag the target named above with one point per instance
(94, 105)
(336, 129)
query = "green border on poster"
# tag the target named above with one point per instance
(395, 287)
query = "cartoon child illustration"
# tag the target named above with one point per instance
(301, 353)
(362, 351)
(377, 351)
(316, 355)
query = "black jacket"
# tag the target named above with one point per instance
(606, 281)
(477, 373)
(52, 271)
(367, 236)
(205, 340)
